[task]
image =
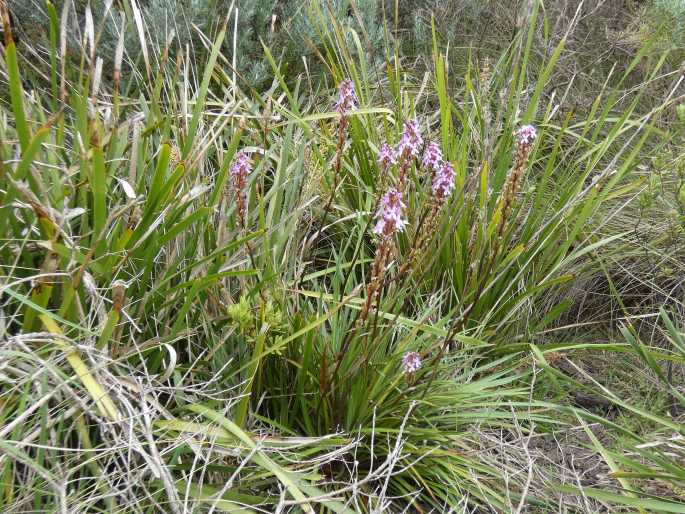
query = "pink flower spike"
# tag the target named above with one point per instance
(411, 141)
(526, 135)
(347, 97)
(411, 362)
(432, 157)
(443, 181)
(389, 214)
(240, 168)
(386, 157)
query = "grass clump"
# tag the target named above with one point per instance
(221, 299)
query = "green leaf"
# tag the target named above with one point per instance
(99, 188)
(290, 481)
(202, 93)
(17, 96)
(652, 505)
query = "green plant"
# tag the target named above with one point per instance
(190, 26)
(189, 304)
(668, 16)
(647, 465)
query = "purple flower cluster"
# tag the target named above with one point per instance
(411, 141)
(526, 135)
(411, 362)
(240, 169)
(432, 157)
(389, 214)
(386, 157)
(347, 97)
(443, 181)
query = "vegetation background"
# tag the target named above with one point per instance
(197, 316)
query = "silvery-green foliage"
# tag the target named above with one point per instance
(669, 15)
(288, 27)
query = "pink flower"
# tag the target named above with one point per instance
(443, 181)
(526, 135)
(432, 157)
(347, 97)
(389, 214)
(411, 141)
(240, 169)
(386, 157)
(411, 362)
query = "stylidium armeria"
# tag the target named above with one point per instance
(347, 101)
(411, 362)
(525, 137)
(408, 149)
(390, 221)
(240, 169)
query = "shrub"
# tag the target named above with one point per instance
(293, 27)
(668, 17)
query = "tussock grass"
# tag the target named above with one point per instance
(184, 329)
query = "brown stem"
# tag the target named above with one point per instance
(512, 186)
(242, 226)
(342, 131)
(506, 201)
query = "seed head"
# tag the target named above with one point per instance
(118, 294)
(411, 362)
(347, 97)
(432, 157)
(389, 214)
(386, 157)
(411, 141)
(443, 181)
